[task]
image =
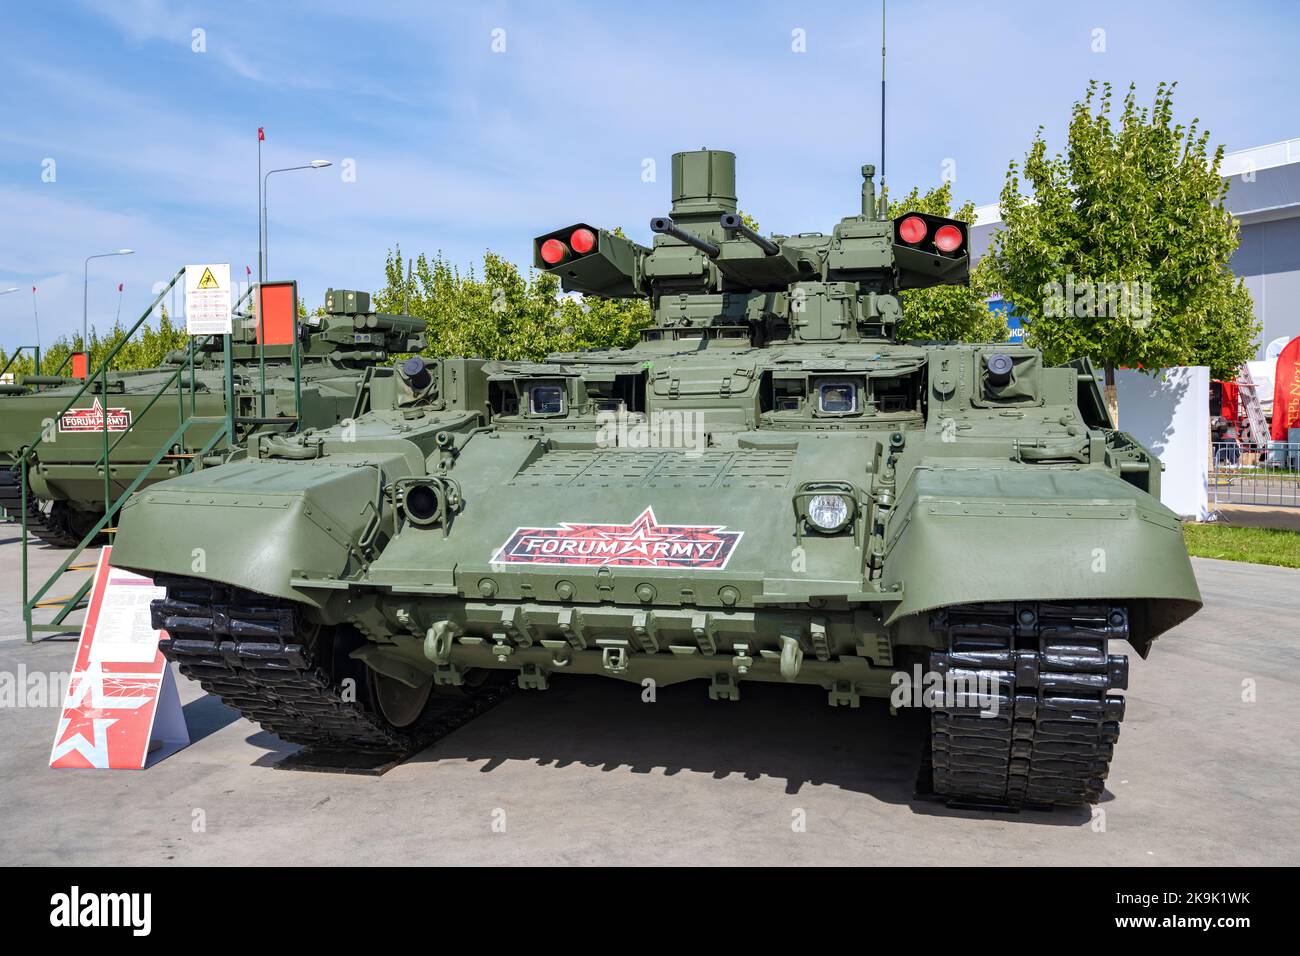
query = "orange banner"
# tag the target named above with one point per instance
(278, 307)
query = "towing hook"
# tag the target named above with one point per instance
(437, 642)
(791, 657)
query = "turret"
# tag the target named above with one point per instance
(708, 269)
(350, 330)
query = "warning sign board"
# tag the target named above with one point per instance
(122, 706)
(207, 299)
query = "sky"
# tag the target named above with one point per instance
(457, 127)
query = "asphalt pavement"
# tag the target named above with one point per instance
(1206, 772)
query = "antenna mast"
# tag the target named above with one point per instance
(884, 208)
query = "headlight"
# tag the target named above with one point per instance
(827, 507)
(829, 512)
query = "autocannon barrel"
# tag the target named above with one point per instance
(732, 223)
(47, 380)
(665, 226)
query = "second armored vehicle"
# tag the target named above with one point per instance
(65, 445)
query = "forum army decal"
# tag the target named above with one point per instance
(92, 419)
(642, 544)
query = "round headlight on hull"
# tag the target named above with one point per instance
(826, 507)
(829, 513)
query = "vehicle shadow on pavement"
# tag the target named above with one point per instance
(784, 732)
(206, 715)
(15, 536)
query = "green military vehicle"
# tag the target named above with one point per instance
(65, 466)
(769, 487)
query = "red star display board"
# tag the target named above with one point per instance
(122, 708)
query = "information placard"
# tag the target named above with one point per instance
(122, 710)
(207, 298)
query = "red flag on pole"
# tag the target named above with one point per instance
(1286, 391)
(119, 287)
(261, 134)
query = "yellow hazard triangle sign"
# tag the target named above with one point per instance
(208, 281)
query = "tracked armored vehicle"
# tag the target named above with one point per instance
(65, 446)
(769, 487)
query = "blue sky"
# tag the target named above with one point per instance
(459, 148)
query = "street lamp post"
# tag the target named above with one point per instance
(266, 253)
(7, 292)
(263, 261)
(85, 295)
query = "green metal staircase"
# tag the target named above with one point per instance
(175, 449)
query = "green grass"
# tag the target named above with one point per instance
(1232, 543)
(1278, 474)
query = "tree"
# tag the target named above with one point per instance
(148, 349)
(503, 314)
(947, 313)
(1121, 253)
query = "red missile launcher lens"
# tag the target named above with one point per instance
(912, 230)
(582, 241)
(947, 238)
(554, 252)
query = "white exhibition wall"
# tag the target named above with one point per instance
(1169, 412)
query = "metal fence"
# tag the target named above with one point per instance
(1242, 473)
